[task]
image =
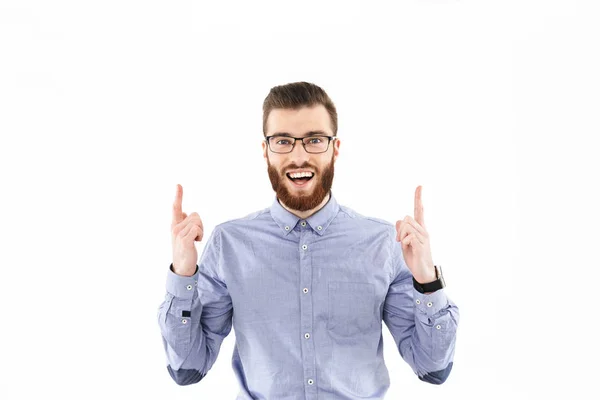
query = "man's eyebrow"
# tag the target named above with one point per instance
(310, 133)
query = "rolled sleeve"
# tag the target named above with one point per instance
(181, 286)
(430, 304)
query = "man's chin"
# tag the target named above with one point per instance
(301, 199)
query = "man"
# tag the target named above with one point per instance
(307, 281)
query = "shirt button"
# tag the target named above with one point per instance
(304, 247)
(418, 301)
(303, 223)
(319, 227)
(429, 304)
(307, 335)
(184, 321)
(438, 327)
(189, 287)
(310, 382)
(305, 290)
(287, 228)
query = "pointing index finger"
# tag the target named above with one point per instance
(419, 206)
(177, 213)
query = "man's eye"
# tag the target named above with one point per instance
(315, 140)
(283, 141)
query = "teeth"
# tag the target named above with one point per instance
(301, 175)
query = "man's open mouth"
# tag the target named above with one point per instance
(300, 178)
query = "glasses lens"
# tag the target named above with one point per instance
(316, 144)
(281, 144)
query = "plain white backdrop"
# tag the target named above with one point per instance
(105, 106)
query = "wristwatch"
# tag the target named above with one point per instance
(431, 286)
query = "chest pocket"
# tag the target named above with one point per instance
(351, 308)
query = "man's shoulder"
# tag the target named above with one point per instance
(246, 220)
(368, 220)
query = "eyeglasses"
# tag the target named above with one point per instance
(312, 144)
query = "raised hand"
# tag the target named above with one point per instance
(185, 230)
(414, 239)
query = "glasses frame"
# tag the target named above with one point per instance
(330, 138)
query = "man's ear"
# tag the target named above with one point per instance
(264, 148)
(336, 149)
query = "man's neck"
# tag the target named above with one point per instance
(307, 213)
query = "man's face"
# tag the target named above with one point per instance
(299, 123)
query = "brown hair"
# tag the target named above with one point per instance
(296, 95)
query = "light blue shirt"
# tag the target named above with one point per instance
(306, 298)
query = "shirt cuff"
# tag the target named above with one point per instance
(181, 286)
(431, 303)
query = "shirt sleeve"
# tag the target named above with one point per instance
(195, 317)
(422, 325)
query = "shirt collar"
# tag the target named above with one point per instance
(319, 221)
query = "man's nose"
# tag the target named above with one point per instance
(298, 153)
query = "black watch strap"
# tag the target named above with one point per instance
(431, 286)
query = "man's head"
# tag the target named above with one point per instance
(300, 110)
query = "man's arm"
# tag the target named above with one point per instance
(422, 325)
(195, 317)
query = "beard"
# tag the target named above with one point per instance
(323, 181)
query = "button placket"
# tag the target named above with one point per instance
(306, 309)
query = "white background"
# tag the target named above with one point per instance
(105, 106)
